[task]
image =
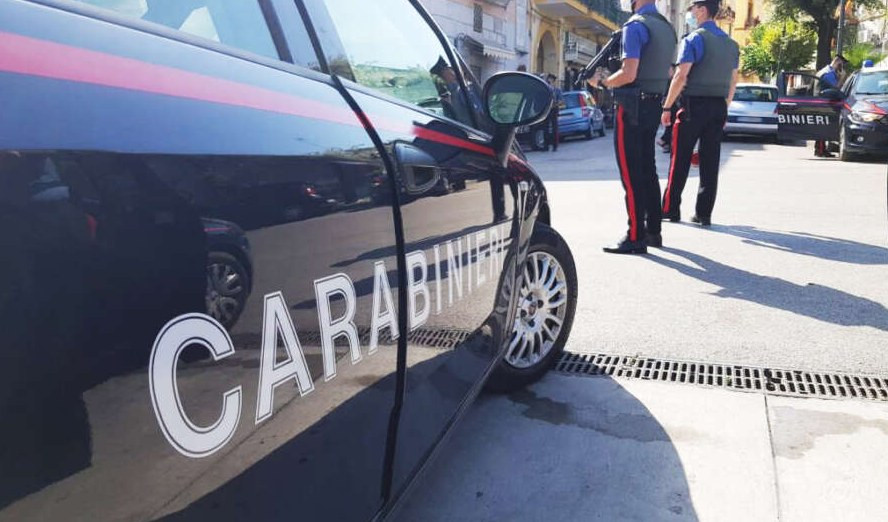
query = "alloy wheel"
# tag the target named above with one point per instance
(542, 308)
(224, 288)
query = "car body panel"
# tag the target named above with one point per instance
(177, 134)
(861, 118)
(802, 112)
(865, 112)
(132, 152)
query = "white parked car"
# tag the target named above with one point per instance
(753, 111)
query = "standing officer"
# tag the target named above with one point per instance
(552, 136)
(707, 73)
(829, 79)
(648, 48)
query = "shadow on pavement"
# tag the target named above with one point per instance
(802, 243)
(812, 300)
(563, 449)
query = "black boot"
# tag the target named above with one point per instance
(702, 221)
(654, 240)
(627, 246)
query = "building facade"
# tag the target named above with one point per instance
(566, 34)
(491, 35)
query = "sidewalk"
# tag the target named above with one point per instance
(596, 448)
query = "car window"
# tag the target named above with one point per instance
(873, 83)
(571, 101)
(238, 23)
(391, 49)
(802, 85)
(849, 84)
(753, 94)
(590, 101)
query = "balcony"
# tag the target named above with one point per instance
(601, 16)
(578, 49)
(609, 9)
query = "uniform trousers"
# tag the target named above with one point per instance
(701, 118)
(634, 146)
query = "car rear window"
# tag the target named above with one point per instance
(571, 101)
(873, 83)
(238, 23)
(751, 94)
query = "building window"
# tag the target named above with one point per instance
(478, 24)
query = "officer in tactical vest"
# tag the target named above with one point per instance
(648, 48)
(706, 78)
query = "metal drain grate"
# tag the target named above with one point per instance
(444, 338)
(794, 383)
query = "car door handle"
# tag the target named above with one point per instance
(419, 170)
(788, 104)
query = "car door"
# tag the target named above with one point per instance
(806, 109)
(186, 322)
(456, 203)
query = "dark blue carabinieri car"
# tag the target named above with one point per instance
(258, 256)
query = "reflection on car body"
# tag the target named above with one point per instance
(225, 267)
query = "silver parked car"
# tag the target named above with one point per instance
(753, 111)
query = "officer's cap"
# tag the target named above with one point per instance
(711, 3)
(439, 66)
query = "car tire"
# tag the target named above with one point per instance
(538, 139)
(534, 345)
(844, 154)
(228, 286)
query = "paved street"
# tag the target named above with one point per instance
(791, 275)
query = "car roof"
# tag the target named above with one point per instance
(759, 85)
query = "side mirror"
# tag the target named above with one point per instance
(511, 100)
(516, 99)
(832, 94)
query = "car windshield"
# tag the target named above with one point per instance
(873, 83)
(755, 94)
(571, 101)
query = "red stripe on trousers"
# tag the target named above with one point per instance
(624, 172)
(666, 197)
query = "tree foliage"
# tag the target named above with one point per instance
(776, 45)
(857, 53)
(820, 17)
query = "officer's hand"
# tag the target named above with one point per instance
(666, 118)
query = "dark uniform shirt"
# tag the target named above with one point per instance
(829, 76)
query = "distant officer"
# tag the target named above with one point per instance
(829, 79)
(648, 48)
(706, 77)
(552, 136)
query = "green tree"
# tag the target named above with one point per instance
(775, 45)
(857, 53)
(820, 17)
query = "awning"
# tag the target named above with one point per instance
(490, 49)
(498, 52)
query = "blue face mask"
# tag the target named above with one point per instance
(691, 20)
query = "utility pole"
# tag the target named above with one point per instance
(841, 27)
(782, 46)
